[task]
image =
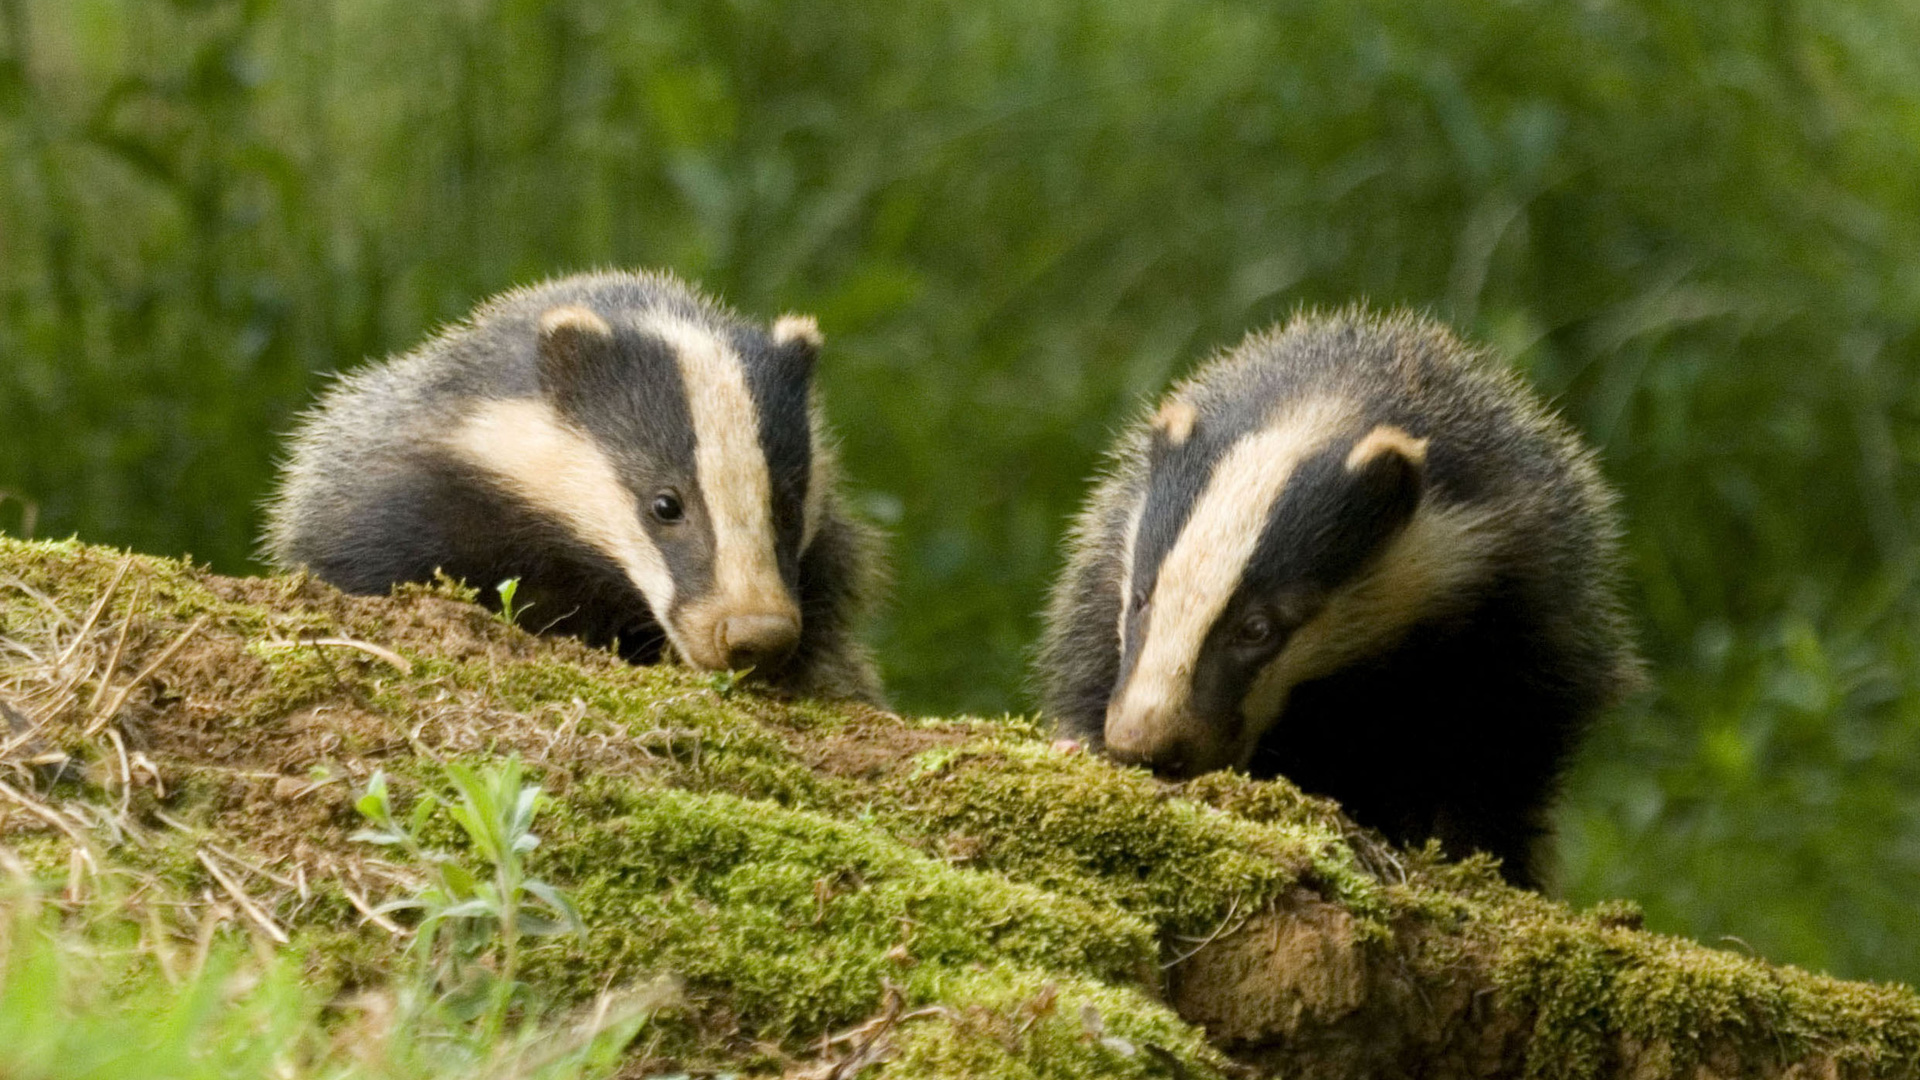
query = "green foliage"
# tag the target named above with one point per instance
(1691, 222)
(101, 994)
(486, 914)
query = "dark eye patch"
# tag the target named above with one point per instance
(1329, 523)
(1179, 478)
(780, 388)
(632, 399)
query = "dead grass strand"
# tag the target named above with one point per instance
(120, 699)
(245, 902)
(380, 652)
(94, 612)
(113, 658)
(49, 815)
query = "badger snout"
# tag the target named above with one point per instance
(1175, 746)
(1168, 758)
(756, 639)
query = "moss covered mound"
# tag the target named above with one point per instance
(839, 890)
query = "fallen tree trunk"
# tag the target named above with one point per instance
(839, 890)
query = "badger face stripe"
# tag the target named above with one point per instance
(780, 384)
(1436, 560)
(533, 453)
(731, 470)
(1201, 571)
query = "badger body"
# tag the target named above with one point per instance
(1356, 553)
(650, 466)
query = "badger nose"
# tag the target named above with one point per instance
(1134, 739)
(756, 640)
(1168, 760)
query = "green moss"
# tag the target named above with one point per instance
(297, 678)
(800, 918)
(1080, 827)
(1596, 991)
(45, 855)
(706, 830)
(708, 738)
(1026, 1025)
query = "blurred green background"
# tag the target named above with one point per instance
(1695, 223)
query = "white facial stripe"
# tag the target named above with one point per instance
(1438, 556)
(731, 468)
(1200, 573)
(536, 455)
(1129, 543)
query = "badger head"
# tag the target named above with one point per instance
(1260, 555)
(683, 450)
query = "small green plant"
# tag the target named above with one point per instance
(508, 589)
(472, 924)
(725, 683)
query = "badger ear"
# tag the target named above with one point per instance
(568, 335)
(1389, 469)
(799, 338)
(1173, 424)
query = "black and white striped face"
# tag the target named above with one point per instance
(682, 452)
(1266, 551)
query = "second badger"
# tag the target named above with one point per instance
(649, 465)
(1360, 555)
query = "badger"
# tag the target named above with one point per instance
(651, 468)
(1359, 554)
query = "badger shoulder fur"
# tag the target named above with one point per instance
(650, 466)
(1359, 554)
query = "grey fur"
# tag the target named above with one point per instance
(369, 497)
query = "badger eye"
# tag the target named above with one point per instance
(1255, 629)
(667, 508)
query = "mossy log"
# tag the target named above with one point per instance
(840, 891)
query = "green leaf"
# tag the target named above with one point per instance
(470, 909)
(373, 805)
(422, 812)
(375, 836)
(460, 881)
(534, 925)
(559, 902)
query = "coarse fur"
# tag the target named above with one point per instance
(534, 440)
(1360, 554)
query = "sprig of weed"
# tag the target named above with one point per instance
(508, 589)
(725, 683)
(467, 917)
